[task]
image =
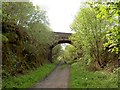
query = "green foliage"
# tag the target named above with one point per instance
(80, 78)
(18, 13)
(56, 51)
(41, 33)
(0, 77)
(3, 38)
(89, 34)
(26, 35)
(29, 79)
(23, 13)
(69, 54)
(96, 34)
(93, 31)
(110, 11)
(0, 12)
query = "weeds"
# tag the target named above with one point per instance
(80, 78)
(28, 80)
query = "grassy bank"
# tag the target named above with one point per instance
(80, 78)
(28, 80)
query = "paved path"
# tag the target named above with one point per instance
(57, 79)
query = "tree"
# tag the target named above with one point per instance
(69, 54)
(110, 12)
(26, 37)
(89, 34)
(96, 32)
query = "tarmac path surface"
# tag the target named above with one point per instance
(57, 79)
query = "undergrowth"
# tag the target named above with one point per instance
(81, 78)
(28, 80)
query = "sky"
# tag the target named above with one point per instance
(61, 13)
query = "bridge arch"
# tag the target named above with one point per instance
(63, 38)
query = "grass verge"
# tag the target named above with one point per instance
(28, 80)
(80, 78)
(0, 78)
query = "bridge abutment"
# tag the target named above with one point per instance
(50, 55)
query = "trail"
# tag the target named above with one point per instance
(57, 79)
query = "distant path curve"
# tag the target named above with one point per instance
(57, 79)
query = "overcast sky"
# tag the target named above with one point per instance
(60, 12)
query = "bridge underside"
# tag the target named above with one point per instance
(51, 47)
(60, 42)
(64, 41)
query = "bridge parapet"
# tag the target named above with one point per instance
(62, 35)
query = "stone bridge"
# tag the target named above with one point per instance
(61, 37)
